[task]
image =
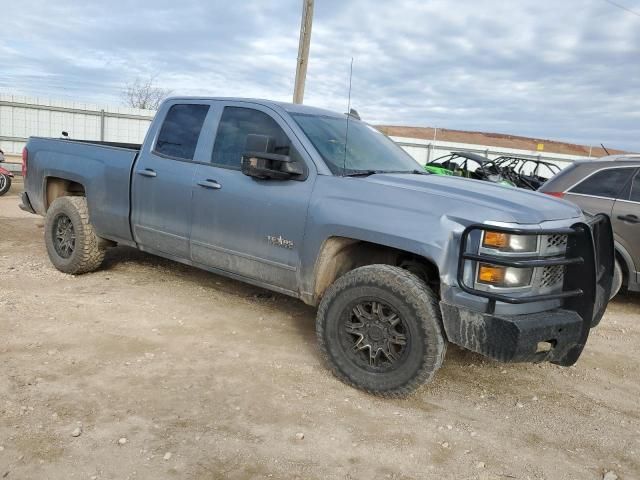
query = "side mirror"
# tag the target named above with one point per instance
(258, 160)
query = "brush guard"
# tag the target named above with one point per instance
(588, 263)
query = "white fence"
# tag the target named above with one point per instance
(22, 117)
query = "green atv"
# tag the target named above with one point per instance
(467, 165)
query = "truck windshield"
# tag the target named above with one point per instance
(367, 150)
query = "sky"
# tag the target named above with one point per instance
(564, 70)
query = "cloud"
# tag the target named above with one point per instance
(560, 70)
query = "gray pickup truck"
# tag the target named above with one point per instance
(323, 207)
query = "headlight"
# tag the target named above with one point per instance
(490, 256)
(509, 243)
(503, 277)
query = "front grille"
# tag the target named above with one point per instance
(556, 241)
(552, 275)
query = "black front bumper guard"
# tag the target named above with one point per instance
(588, 259)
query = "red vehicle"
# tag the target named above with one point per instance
(5, 177)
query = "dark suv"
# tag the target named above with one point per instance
(609, 185)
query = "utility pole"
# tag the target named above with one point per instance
(303, 50)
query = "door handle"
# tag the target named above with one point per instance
(629, 218)
(147, 172)
(208, 183)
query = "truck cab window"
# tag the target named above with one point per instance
(238, 122)
(180, 131)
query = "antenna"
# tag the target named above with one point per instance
(605, 149)
(346, 133)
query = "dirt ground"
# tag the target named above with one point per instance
(208, 378)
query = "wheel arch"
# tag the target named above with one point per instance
(339, 255)
(55, 187)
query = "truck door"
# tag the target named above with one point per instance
(626, 220)
(243, 225)
(162, 181)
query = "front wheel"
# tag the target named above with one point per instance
(379, 329)
(5, 183)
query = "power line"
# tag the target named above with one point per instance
(622, 7)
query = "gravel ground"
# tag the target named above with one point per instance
(149, 369)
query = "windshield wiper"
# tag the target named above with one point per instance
(362, 173)
(366, 173)
(415, 171)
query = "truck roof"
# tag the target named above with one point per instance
(289, 107)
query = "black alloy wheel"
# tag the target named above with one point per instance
(374, 336)
(64, 236)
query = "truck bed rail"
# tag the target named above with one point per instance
(128, 146)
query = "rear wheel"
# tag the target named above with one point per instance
(5, 184)
(379, 329)
(71, 241)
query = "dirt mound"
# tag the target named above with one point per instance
(493, 139)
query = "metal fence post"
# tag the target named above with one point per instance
(102, 125)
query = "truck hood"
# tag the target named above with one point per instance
(483, 200)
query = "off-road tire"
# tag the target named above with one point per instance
(412, 299)
(87, 254)
(7, 184)
(616, 285)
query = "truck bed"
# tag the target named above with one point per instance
(103, 169)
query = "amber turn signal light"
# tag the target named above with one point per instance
(491, 274)
(495, 240)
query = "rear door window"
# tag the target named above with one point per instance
(606, 183)
(180, 131)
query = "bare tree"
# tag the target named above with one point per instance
(144, 94)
